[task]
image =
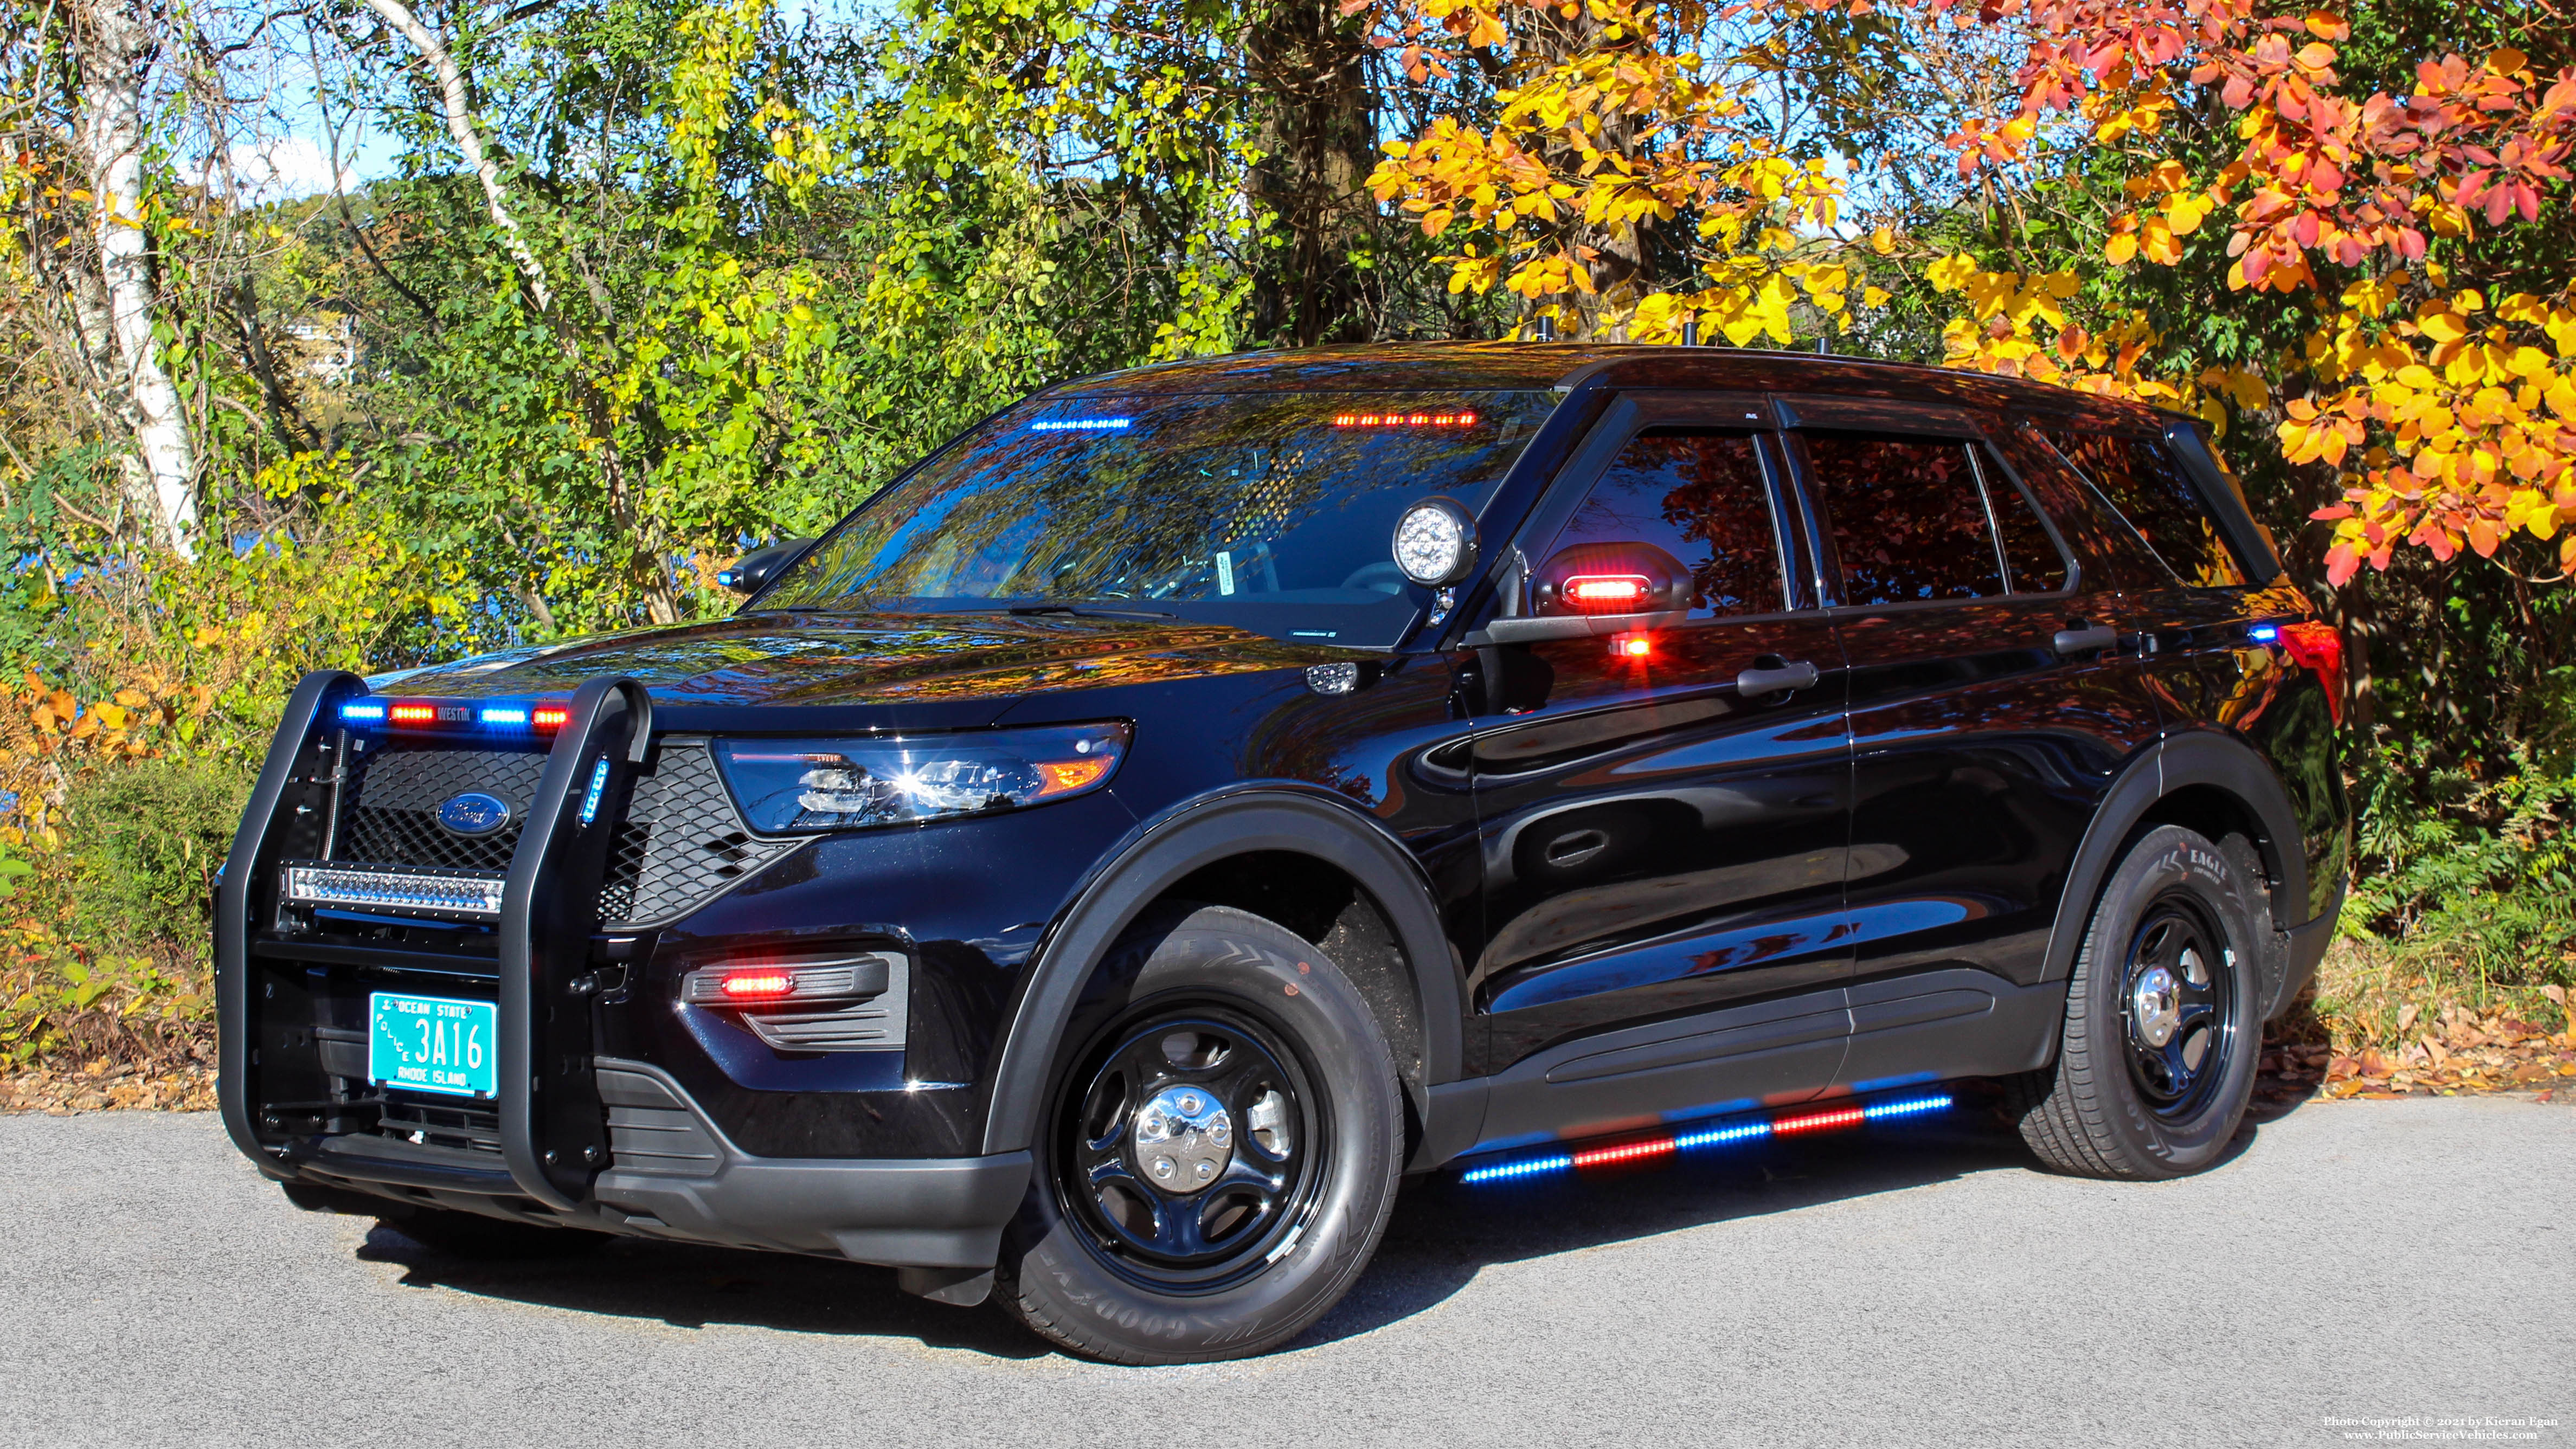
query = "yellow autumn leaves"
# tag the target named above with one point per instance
(2474, 409)
(1594, 148)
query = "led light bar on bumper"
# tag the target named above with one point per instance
(843, 784)
(439, 895)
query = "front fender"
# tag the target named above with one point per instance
(1237, 820)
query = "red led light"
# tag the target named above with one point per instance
(739, 985)
(1818, 1121)
(550, 716)
(1624, 1152)
(413, 714)
(1607, 593)
(1632, 646)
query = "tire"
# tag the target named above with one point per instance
(2123, 1101)
(1217, 1259)
(473, 1236)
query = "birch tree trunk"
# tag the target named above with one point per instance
(644, 563)
(116, 46)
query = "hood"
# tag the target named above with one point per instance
(849, 659)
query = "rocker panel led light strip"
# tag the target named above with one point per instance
(1714, 1134)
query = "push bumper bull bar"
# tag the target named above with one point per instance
(556, 1158)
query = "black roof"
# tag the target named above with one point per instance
(1479, 366)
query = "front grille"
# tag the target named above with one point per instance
(475, 1127)
(681, 845)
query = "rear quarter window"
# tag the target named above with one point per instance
(2141, 480)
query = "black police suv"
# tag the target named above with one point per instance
(1102, 866)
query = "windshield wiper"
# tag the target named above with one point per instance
(1087, 611)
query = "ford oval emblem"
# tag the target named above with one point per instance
(473, 814)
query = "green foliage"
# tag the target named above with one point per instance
(149, 839)
(2477, 888)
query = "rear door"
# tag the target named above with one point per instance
(1663, 811)
(1990, 709)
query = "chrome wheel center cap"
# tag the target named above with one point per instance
(1183, 1139)
(2154, 1004)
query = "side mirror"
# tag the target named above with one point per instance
(1610, 578)
(751, 572)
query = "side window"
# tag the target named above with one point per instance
(2037, 565)
(2146, 486)
(1698, 495)
(1908, 519)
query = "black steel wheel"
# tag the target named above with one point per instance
(2178, 985)
(1187, 1152)
(1219, 1153)
(2155, 1063)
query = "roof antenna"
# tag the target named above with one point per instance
(1546, 328)
(1690, 333)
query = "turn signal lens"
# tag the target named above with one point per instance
(1064, 777)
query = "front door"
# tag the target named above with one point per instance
(1663, 816)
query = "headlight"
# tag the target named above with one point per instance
(842, 784)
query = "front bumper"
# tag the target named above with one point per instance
(675, 1175)
(576, 1136)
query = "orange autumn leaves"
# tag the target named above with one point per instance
(2435, 381)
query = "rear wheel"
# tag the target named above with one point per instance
(2156, 1062)
(1220, 1151)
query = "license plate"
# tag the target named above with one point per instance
(430, 1044)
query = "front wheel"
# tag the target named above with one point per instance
(1219, 1154)
(2163, 1025)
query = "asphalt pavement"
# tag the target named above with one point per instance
(2354, 1266)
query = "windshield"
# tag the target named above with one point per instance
(1270, 511)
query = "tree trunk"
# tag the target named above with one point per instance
(116, 46)
(1318, 140)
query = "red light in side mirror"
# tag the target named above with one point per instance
(1608, 593)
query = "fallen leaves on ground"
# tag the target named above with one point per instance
(101, 1087)
(2458, 1053)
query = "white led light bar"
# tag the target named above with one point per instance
(472, 894)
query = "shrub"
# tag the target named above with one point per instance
(149, 837)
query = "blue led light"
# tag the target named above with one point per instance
(505, 716)
(598, 787)
(1527, 1167)
(358, 712)
(1906, 1106)
(2264, 633)
(1720, 1136)
(1083, 425)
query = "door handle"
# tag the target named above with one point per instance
(1771, 674)
(2082, 640)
